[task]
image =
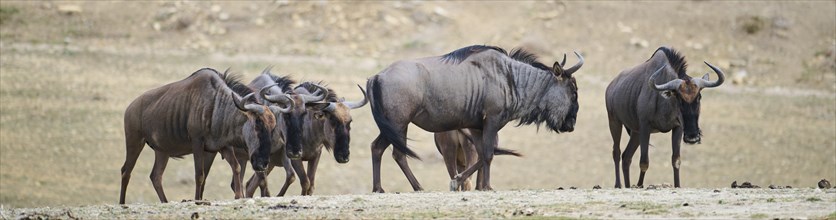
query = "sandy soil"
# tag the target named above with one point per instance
(581, 204)
(69, 69)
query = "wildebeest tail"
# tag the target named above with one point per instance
(496, 151)
(501, 151)
(387, 130)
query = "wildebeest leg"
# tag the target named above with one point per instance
(160, 161)
(259, 180)
(290, 175)
(676, 137)
(379, 145)
(400, 158)
(133, 146)
(490, 140)
(644, 161)
(615, 132)
(482, 146)
(312, 165)
(627, 158)
(265, 191)
(303, 177)
(446, 145)
(466, 159)
(242, 159)
(203, 162)
(229, 155)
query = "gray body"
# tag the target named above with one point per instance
(199, 115)
(478, 87)
(655, 96)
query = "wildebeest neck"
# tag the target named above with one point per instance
(539, 97)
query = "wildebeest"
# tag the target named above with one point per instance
(324, 124)
(202, 114)
(477, 87)
(655, 96)
(459, 152)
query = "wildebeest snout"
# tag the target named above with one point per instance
(259, 165)
(568, 125)
(692, 139)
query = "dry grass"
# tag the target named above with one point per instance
(61, 140)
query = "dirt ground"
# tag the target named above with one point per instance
(69, 69)
(552, 204)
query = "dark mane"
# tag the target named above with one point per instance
(233, 81)
(461, 54)
(284, 82)
(676, 60)
(332, 96)
(519, 54)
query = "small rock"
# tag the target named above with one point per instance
(651, 187)
(195, 215)
(223, 16)
(596, 187)
(559, 188)
(739, 77)
(623, 206)
(215, 8)
(624, 28)
(359, 210)
(573, 187)
(638, 42)
(734, 184)
(716, 190)
(685, 204)
(824, 184)
(788, 187)
(529, 212)
(293, 201)
(440, 11)
(464, 199)
(781, 23)
(775, 187)
(202, 202)
(69, 9)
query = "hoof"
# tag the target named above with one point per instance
(454, 185)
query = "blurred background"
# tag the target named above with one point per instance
(68, 70)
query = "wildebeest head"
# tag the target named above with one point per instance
(258, 129)
(336, 113)
(685, 92)
(294, 117)
(568, 82)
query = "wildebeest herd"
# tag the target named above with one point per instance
(465, 97)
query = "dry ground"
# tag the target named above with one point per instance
(66, 78)
(551, 204)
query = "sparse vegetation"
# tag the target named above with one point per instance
(6, 13)
(62, 101)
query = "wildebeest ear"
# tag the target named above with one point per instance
(317, 105)
(705, 77)
(558, 70)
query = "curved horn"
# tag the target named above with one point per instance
(315, 98)
(704, 83)
(274, 98)
(331, 107)
(357, 104)
(563, 63)
(670, 85)
(239, 102)
(577, 66)
(276, 109)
